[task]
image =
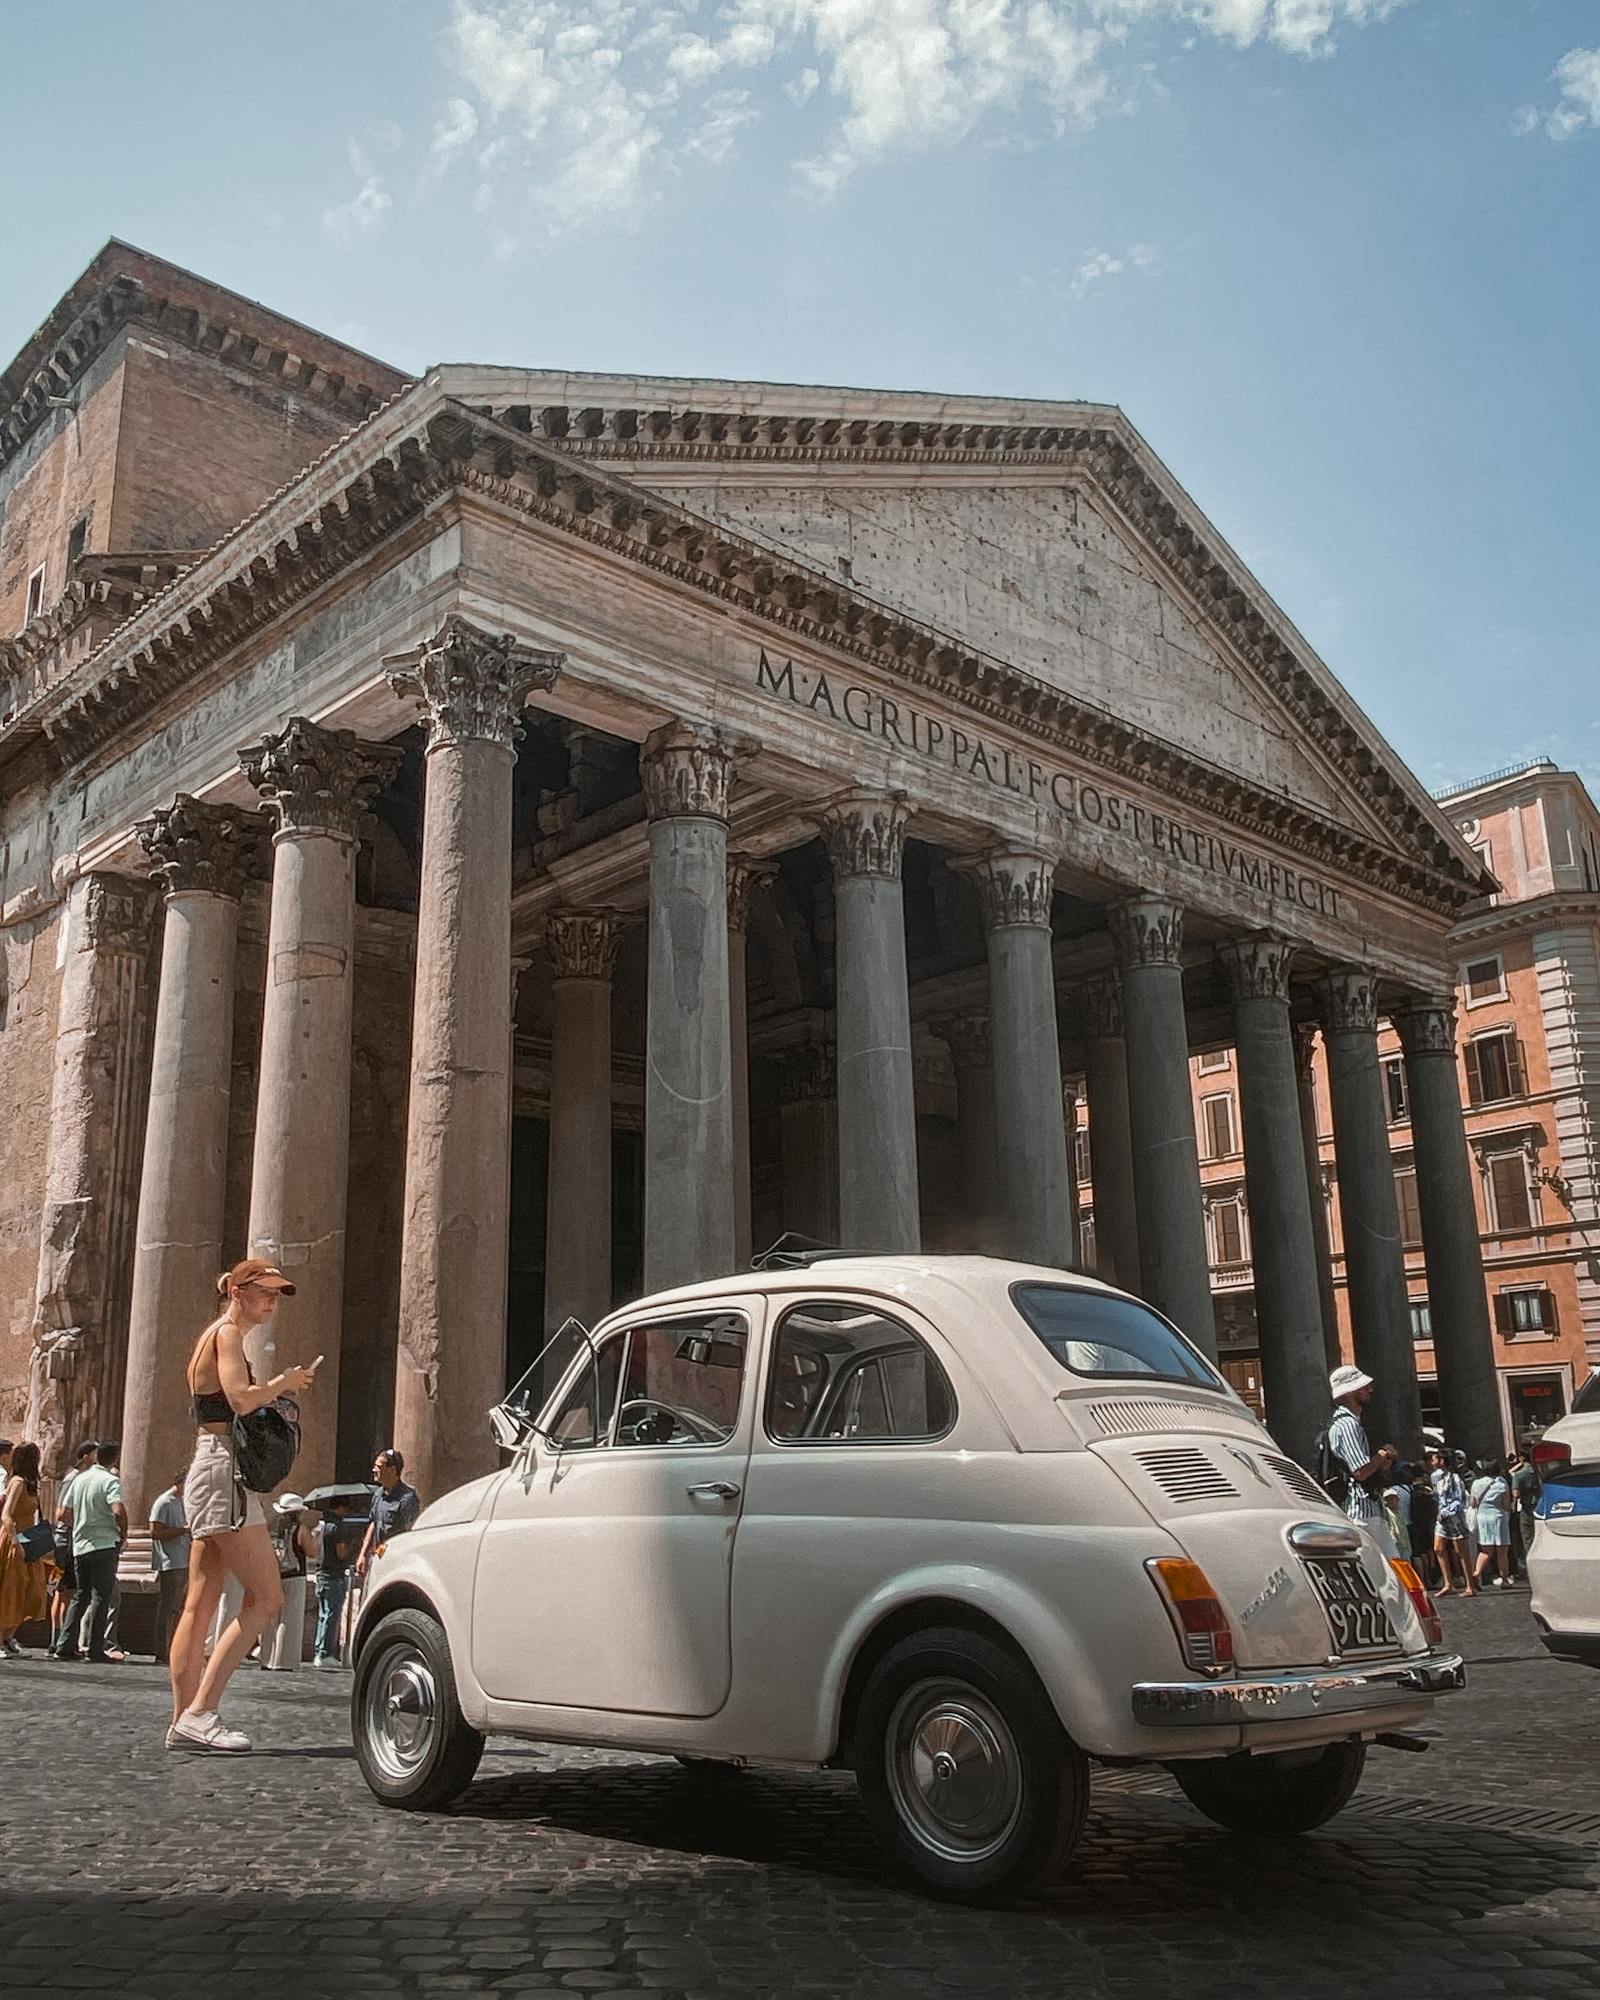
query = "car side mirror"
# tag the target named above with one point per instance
(507, 1428)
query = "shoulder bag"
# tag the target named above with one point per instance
(37, 1542)
(266, 1443)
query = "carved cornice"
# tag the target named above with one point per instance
(215, 849)
(1348, 1002)
(1015, 891)
(1427, 1027)
(744, 878)
(116, 914)
(967, 1038)
(687, 773)
(865, 834)
(1097, 1005)
(473, 684)
(1147, 931)
(807, 1072)
(1257, 968)
(318, 780)
(583, 943)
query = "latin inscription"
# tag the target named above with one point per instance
(953, 747)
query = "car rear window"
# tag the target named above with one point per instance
(1095, 1334)
(1587, 1400)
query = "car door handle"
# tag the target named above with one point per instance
(713, 1489)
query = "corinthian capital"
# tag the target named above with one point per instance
(865, 834)
(687, 773)
(318, 780)
(1427, 1027)
(1257, 968)
(1146, 930)
(1016, 891)
(1098, 1006)
(474, 684)
(583, 943)
(214, 849)
(967, 1038)
(1348, 1000)
(744, 878)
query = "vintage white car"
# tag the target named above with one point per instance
(962, 1525)
(1564, 1562)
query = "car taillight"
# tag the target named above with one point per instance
(1204, 1634)
(1550, 1455)
(1421, 1603)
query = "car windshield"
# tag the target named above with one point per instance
(1096, 1334)
(1587, 1400)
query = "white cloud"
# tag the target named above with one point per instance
(1100, 265)
(585, 108)
(371, 201)
(1577, 76)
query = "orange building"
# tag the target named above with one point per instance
(1528, 1025)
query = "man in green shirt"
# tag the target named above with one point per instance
(99, 1528)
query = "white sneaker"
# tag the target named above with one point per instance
(324, 1664)
(205, 1731)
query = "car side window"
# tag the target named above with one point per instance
(845, 1373)
(682, 1381)
(583, 1420)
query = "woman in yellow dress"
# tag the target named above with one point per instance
(24, 1585)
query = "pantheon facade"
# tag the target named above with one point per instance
(501, 842)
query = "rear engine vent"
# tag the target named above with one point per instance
(1296, 1478)
(1132, 1414)
(1186, 1474)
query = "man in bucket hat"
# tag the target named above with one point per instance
(1364, 1468)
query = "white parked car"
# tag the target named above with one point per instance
(1564, 1562)
(962, 1525)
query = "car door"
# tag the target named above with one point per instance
(606, 1567)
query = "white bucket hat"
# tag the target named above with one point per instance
(1345, 1381)
(288, 1503)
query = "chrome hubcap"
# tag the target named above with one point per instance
(954, 1770)
(401, 1711)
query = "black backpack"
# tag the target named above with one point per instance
(1331, 1472)
(266, 1444)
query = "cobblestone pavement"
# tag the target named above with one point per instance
(131, 1872)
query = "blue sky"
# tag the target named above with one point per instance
(1337, 259)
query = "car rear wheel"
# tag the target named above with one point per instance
(1287, 1793)
(413, 1744)
(968, 1777)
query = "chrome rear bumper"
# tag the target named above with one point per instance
(1297, 1697)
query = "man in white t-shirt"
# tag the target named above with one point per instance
(1351, 1389)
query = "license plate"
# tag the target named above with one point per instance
(1355, 1612)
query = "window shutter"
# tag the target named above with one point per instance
(1547, 1311)
(1502, 1312)
(1474, 1074)
(1508, 1179)
(1516, 1067)
(1405, 1187)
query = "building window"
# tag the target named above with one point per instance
(1088, 1251)
(1510, 1207)
(1531, 1309)
(1484, 979)
(1394, 1090)
(35, 599)
(1227, 1231)
(1405, 1187)
(1213, 1059)
(1084, 1162)
(1421, 1322)
(1216, 1119)
(1495, 1068)
(77, 541)
(1485, 854)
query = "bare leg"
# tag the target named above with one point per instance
(248, 1552)
(186, 1650)
(1441, 1555)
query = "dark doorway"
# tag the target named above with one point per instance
(530, 1177)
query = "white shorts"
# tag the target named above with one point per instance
(215, 1499)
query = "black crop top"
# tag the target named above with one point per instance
(211, 1406)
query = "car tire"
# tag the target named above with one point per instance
(967, 1775)
(415, 1748)
(1274, 1796)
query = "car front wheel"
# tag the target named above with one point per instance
(966, 1773)
(1278, 1795)
(413, 1744)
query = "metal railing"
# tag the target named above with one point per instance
(1517, 770)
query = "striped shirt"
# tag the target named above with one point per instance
(1347, 1440)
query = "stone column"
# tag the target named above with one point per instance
(204, 856)
(688, 1101)
(1148, 932)
(1105, 1083)
(1369, 1210)
(878, 1207)
(473, 686)
(1305, 1043)
(319, 783)
(971, 1054)
(577, 1261)
(86, 1230)
(1282, 1242)
(744, 877)
(808, 1139)
(1463, 1342)
(1016, 891)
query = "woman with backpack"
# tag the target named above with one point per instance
(229, 1534)
(1450, 1529)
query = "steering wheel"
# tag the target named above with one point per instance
(644, 1420)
